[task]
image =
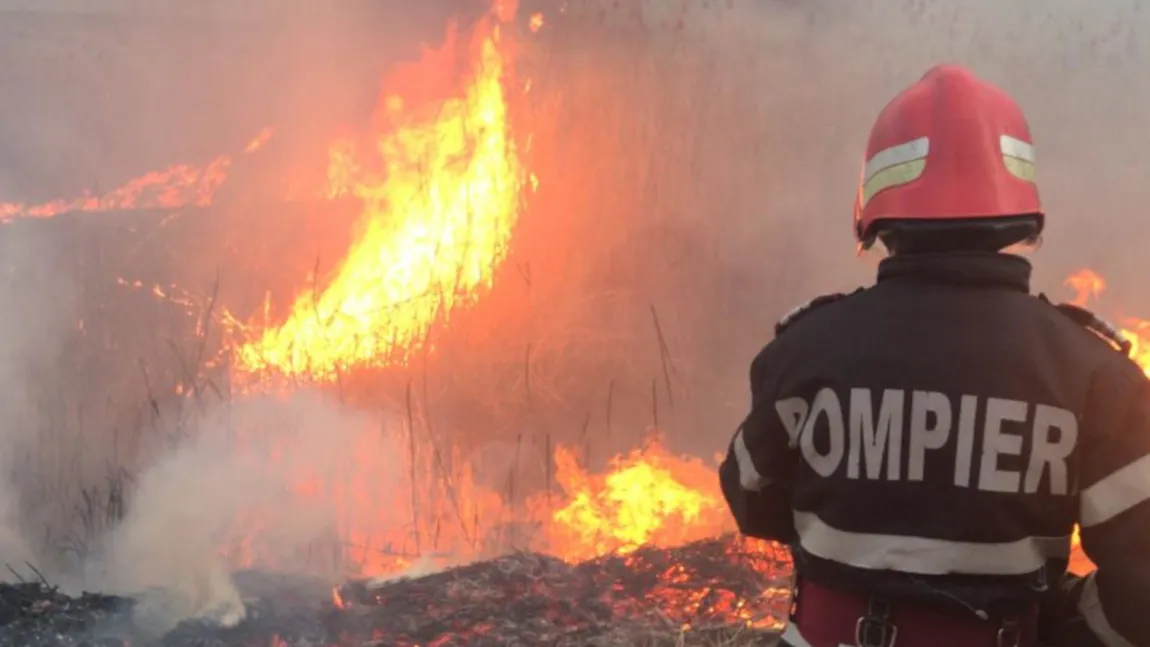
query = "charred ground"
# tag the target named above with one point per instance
(722, 592)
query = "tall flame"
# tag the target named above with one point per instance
(433, 227)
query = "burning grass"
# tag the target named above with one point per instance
(437, 219)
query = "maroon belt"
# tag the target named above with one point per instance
(826, 618)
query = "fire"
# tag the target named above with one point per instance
(436, 222)
(1088, 286)
(180, 185)
(649, 497)
(177, 186)
(440, 192)
(1138, 332)
(415, 511)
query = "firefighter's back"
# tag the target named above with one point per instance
(927, 445)
(940, 430)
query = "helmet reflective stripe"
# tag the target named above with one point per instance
(1018, 157)
(894, 166)
(908, 152)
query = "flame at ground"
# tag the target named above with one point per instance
(647, 497)
(405, 507)
(436, 221)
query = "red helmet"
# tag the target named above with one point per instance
(949, 147)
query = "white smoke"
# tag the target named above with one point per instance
(222, 488)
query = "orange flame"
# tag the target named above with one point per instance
(181, 185)
(436, 221)
(434, 226)
(178, 186)
(648, 497)
(1138, 332)
(1088, 286)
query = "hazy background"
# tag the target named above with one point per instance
(696, 160)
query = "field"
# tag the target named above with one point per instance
(475, 304)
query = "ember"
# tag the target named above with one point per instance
(724, 591)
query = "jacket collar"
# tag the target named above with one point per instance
(973, 269)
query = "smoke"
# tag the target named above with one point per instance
(103, 91)
(167, 548)
(36, 284)
(715, 151)
(14, 546)
(235, 487)
(109, 479)
(100, 93)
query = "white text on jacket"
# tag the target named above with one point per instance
(865, 441)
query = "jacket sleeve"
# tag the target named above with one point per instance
(1111, 607)
(758, 472)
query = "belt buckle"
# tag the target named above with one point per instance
(876, 632)
(1009, 634)
(875, 628)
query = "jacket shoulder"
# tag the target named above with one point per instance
(1093, 323)
(800, 311)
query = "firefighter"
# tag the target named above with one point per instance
(926, 445)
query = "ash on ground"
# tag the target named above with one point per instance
(719, 592)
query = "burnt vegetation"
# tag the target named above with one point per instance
(719, 592)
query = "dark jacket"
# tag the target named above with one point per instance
(938, 435)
